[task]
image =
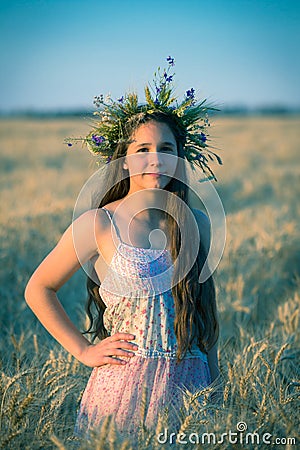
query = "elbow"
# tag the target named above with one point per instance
(31, 290)
(36, 289)
(28, 291)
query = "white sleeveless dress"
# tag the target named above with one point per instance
(138, 299)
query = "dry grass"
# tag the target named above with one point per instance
(257, 285)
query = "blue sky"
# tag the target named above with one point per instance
(58, 54)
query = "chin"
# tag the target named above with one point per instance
(158, 185)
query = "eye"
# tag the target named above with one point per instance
(167, 149)
(142, 149)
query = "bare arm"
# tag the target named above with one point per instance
(40, 293)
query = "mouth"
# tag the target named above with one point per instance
(154, 174)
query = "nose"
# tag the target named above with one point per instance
(155, 158)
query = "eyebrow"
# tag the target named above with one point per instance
(149, 143)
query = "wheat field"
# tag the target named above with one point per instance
(257, 281)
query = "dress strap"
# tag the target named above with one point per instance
(113, 223)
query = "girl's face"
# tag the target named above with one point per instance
(152, 156)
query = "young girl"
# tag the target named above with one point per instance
(157, 325)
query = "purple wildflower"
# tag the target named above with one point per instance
(167, 78)
(121, 99)
(203, 137)
(170, 61)
(190, 93)
(69, 144)
(98, 140)
(108, 159)
(158, 90)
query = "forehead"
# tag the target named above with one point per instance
(154, 132)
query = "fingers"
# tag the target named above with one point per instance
(116, 350)
(113, 360)
(123, 345)
(116, 346)
(121, 336)
(120, 340)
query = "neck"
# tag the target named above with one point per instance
(147, 204)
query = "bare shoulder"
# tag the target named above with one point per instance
(90, 226)
(204, 226)
(113, 205)
(93, 217)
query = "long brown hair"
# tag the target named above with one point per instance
(195, 303)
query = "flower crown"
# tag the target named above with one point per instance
(113, 115)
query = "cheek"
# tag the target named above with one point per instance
(136, 167)
(171, 164)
